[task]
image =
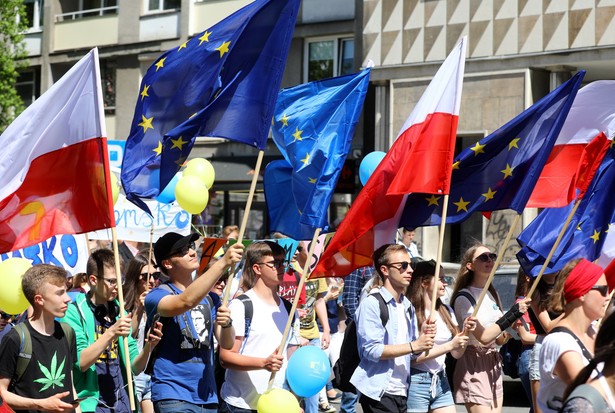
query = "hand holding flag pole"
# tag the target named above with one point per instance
(304, 276)
(244, 222)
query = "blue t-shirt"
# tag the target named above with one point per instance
(184, 368)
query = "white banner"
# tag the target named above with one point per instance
(134, 224)
(67, 251)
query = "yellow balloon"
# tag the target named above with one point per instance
(115, 187)
(12, 300)
(202, 169)
(191, 194)
(277, 401)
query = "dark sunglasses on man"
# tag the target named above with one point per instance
(154, 275)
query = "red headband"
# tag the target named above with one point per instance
(581, 279)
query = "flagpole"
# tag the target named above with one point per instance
(149, 259)
(123, 340)
(555, 245)
(304, 276)
(498, 260)
(244, 222)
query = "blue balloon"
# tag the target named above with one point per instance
(168, 193)
(369, 164)
(308, 371)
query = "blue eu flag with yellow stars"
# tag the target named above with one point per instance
(222, 82)
(586, 233)
(313, 127)
(501, 170)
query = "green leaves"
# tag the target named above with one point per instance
(53, 376)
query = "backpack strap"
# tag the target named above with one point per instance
(25, 352)
(248, 309)
(465, 294)
(584, 350)
(384, 311)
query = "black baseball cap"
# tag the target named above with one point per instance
(170, 244)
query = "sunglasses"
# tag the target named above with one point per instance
(154, 275)
(275, 264)
(403, 266)
(487, 256)
(602, 289)
(185, 249)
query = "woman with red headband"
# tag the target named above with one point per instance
(581, 291)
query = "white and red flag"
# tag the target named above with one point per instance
(54, 171)
(579, 148)
(420, 160)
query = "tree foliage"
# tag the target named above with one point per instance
(13, 24)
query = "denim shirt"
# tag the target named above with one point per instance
(372, 375)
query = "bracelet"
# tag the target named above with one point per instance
(411, 349)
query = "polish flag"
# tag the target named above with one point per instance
(420, 160)
(580, 147)
(53, 164)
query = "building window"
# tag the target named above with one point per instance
(160, 5)
(27, 85)
(34, 14)
(86, 8)
(107, 76)
(329, 58)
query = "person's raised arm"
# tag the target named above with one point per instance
(172, 305)
(487, 335)
(90, 354)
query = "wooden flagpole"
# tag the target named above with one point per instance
(123, 340)
(555, 245)
(304, 277)
(149, 259)
(498, 260)
(244, 222)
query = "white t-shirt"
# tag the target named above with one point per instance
(443, 336)
(488, 313)
(552, 388)
(398, 385)
(243, 388)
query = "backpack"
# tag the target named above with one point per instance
(25, 348)
(219, 370)
(349, 352)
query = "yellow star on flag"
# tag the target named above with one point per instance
(456, 165)
(478, 148)
(489, 194)
(182, 46)
(297, 135)
(223, 48)
(158, 149)
(312, 180)
(507, 171)
(146, 123)
(513, 143)
(204, 37)
(306, 160)
(160, 63)
(144, 91)
(596, 236)
(284, 120)
(178, 143)
(461, 205)
(433, 200)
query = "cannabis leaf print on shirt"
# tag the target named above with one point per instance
(53, 376)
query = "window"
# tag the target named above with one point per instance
(107, 77)
(86, 8)
(159, 5)
(27, 85)
(329, 58)
(34, 14)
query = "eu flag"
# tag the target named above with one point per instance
(586, 233)
(222, 83)
(499, 171)
(313, 127)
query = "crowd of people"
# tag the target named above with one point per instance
(178, 348)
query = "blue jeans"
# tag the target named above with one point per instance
(227, 408)
(349, 402)
(523, 363)
(311, 403)
(175, 406)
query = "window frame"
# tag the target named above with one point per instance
(338, 43)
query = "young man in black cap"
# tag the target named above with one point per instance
(183, 373)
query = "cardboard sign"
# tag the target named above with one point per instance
(209, 249)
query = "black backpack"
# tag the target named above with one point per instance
(349, 352)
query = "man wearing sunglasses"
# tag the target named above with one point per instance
(182, 369)
(387, 344)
